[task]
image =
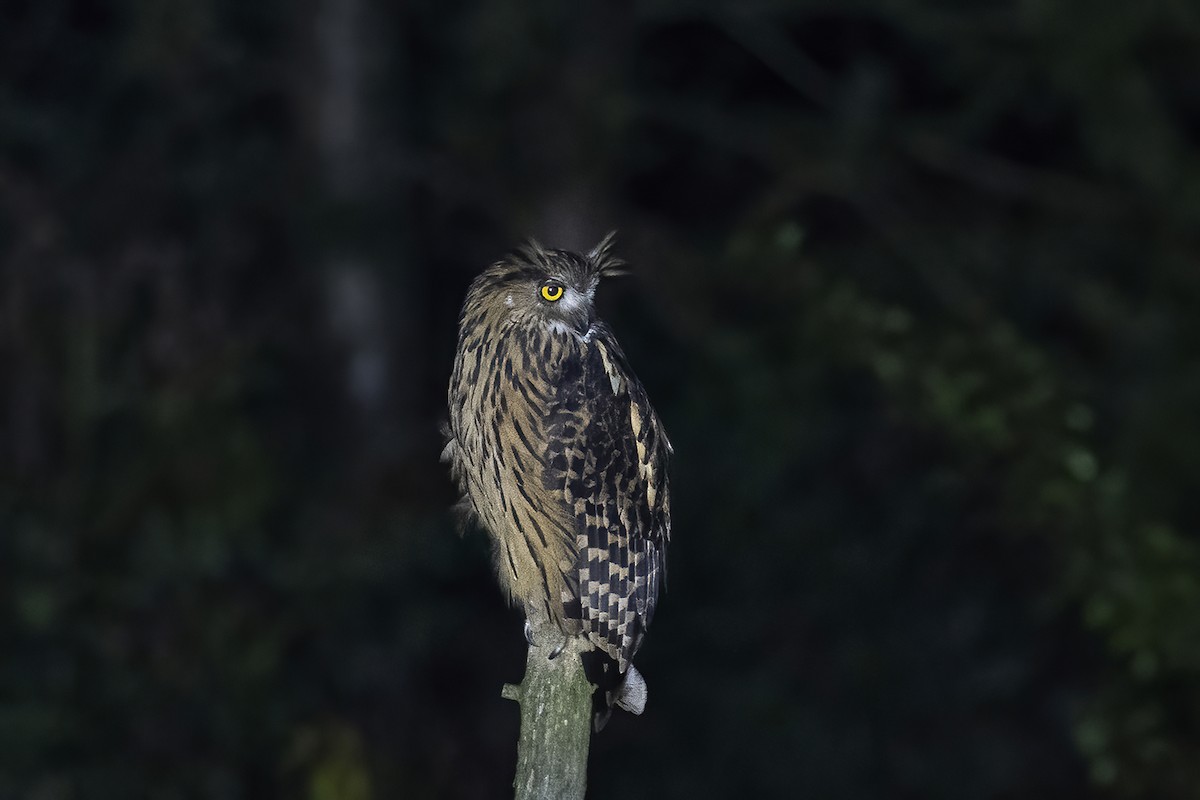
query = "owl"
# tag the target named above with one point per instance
(562, 460)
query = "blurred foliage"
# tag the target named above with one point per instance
(916, 293)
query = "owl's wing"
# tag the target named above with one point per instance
(609, 458)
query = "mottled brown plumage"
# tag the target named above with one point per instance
(560, 455)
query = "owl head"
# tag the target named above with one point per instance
(541, 286)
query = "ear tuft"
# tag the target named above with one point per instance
(533, 252)
(607, 264)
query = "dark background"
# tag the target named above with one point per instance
(916, 291)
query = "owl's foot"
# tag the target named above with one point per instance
(558, 649)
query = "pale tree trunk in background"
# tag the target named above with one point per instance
(341, 114)
(368, 299)
(581, 145)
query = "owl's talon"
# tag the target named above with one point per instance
(528, 632)
(556, 652)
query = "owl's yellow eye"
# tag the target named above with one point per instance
(552, 292)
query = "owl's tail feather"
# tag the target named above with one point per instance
(631, 695)
(629, 692)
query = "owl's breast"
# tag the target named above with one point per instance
(503, 398)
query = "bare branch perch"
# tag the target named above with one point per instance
(556, 711)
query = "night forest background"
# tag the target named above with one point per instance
(916, 291)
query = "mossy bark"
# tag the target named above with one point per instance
(556, 712)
